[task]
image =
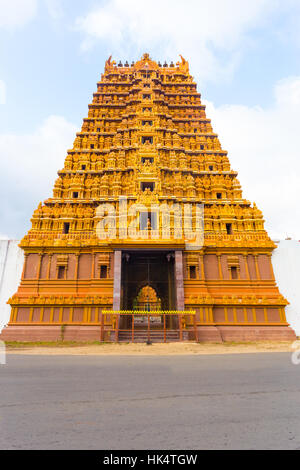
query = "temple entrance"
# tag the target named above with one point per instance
(147, 301)
(147, 285)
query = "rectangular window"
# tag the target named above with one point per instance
(193, 272)
(66, 228)
(61, 272)
(229, 229)
(148, 185)
(147, 140)
(148, 220)
(219, 195)
(75, 195)
(234, 272)
(147, 160)
(103, 272)
(143, 220)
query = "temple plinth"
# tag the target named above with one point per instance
(116, 226)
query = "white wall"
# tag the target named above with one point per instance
(11, 265)
(286, 262)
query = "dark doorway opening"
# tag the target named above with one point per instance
(234, 272)
(152, 272)
(148, 185)
(66, 228)
(229, 229)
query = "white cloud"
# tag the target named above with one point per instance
(2, 92)
(16, 13)
(263, 147)
(55, 9)
(211, 34)
(28, 169)
(287, 92)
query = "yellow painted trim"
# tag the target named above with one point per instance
(151, 313)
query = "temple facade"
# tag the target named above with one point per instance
(147, 234)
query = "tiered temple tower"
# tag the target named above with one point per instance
(146, 144)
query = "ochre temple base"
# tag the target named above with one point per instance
(41, 333)
(220, 334)
(213, 334)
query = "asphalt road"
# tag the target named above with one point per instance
(248, 401)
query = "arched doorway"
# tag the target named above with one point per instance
(147, 300)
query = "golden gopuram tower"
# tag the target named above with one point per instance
(147, 235)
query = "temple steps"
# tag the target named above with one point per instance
(141, 336)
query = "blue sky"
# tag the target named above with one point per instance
(245, 58)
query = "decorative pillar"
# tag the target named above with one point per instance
(85, 314)
(13, 315)
(234, 315)
(256, 267)
(61, 311)
(24, 265)
(282, 315)
(211, 315)
(76, 266)
(38, 272)
(202, 267)
(117, 280)
(179, 280)
(201, 315)
(71, 314)
(49, 265)
(96, 319)
(271, 267)
(51, 314)
(246, 265)
(93, 266)
(220, 267)
(226, 314)
(42, 314)
(30, 314)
